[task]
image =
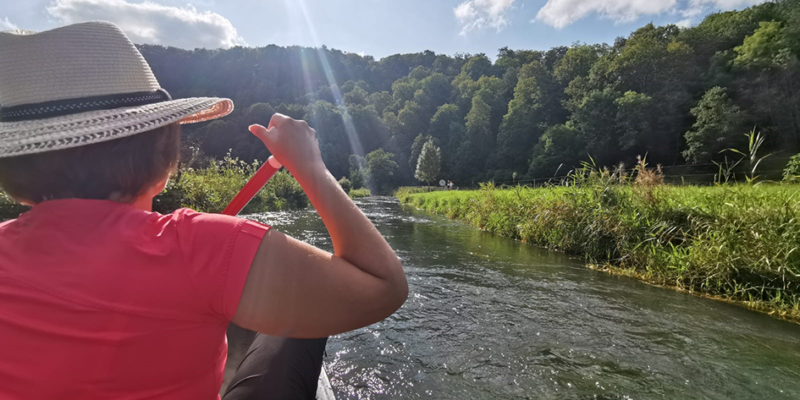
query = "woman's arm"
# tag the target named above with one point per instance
(296, 290)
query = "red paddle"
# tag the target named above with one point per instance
(253, 186)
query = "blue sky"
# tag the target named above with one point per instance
(373, 27)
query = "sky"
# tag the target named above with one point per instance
(372, 27)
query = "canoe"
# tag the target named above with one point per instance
(324, 388)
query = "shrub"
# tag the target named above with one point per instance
(360, 193)
(211, 189)
(792, 171)
(345, 184)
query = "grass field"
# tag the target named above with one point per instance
(735, 242)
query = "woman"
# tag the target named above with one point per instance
(104, 299)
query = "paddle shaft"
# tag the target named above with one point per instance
(253, 186)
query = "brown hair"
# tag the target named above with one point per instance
(119, 169)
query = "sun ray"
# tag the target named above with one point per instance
(352, 135)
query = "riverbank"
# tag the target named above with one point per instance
(210, 189)
(738, 243)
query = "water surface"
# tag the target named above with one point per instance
(491, 318)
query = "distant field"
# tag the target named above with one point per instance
(738, 242)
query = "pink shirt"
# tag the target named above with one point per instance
(99, 300)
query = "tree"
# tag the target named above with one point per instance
(616, 100)
(380, 100)
(768, 63)
(357, 96)
(442, 122)
(333, 140)
(429, 164)
(478, 66)
(719, 126)
(416, 148)
(578, 61)
(596, 118)
(634, 119)
(380, 169)
(559, 150)
(762, 48)
(437, 87)
(479, 126)
(523, 124)
(358, 171)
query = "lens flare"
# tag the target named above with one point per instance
(350, 129)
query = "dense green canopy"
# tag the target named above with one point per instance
(677, 95)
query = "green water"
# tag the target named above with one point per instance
(491, 318)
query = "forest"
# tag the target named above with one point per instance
(679, 96)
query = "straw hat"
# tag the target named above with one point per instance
(82, 84)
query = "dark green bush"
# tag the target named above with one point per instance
(211, 189)
(345, 184)
(792, 171)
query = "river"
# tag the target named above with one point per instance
(491, 318)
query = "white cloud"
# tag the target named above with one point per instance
(478, 14)
(6, 25)
(561, 13)
(153, 23)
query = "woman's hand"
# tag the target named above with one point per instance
(296, 290)
(293, 143)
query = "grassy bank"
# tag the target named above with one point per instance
(210, 189)
(359, 193)
(739, 243)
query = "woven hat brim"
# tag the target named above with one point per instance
(51, 134)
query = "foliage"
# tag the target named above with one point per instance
(560, 145)
(761, 49)
(792, 171)
(211, 189)
(676, 94)
(346, 185)
(359, 193)
(380, 169)
(430, 163)
(755, 142)
(736, 242)
(358, 171)
(719, 126)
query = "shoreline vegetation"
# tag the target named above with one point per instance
(209, 189)
(733, 242)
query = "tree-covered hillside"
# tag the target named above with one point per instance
(677, 95)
